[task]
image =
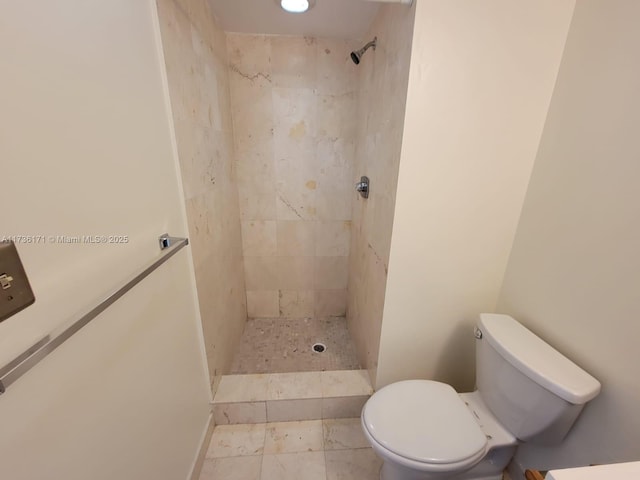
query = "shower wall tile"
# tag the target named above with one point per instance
(257, 204)
(296, 238)
(330, 204)
(197, 62)
(293, 202)
(295, 273)
(250, 56)
(330, 303)
(338, 167)
(263, 303)
(261, 273)
(381, 98)
(331, 273)
(296, 168)
(333, 238)
(294, 105)
(295, 112)
(336, 73)
(293, 61)
(259, 238)
(254, 145)
(296, 303)
(254, 115)
(334, 115)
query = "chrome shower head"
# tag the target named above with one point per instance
(357, 55)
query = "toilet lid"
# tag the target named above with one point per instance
(424, 421)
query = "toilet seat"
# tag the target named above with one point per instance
(403, 418)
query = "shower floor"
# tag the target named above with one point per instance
(277, 345)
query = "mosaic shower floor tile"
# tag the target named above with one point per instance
(276, 345)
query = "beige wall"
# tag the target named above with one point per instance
(86, 149)
(293, 107)
(480, 82)
(196, 60)
(573, 275)
(381, 96)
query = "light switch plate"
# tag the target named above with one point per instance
(15, 291)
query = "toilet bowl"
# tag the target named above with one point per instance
(425, 430)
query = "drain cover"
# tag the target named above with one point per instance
(319, 347)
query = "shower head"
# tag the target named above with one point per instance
(357, 55)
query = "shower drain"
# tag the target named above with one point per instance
(319, 347)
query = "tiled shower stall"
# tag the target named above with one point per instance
(272, 133)
(294, 118)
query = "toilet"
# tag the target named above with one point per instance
(526, 391)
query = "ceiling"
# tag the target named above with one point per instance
(328, 18)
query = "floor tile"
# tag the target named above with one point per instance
(294, 466)
(232, 468)
(294, 410)
(278, 345)
(291, 437)
(241, 388)
(237, 440)
(343, 407)
(231, 413)
(284, 386)
(331, 449)
(343, 434)
(345, 382)
(360, 464)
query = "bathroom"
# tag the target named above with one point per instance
(498, 143)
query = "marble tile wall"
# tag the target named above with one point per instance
(196, 61)
(294, 118)
(381, 97)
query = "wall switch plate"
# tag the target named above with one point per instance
(15, 291)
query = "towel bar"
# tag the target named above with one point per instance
(15, 369)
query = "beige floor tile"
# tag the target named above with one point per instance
(343, 434)
(283, 386)
(294, 410)
(345, 382)
(290, 437)
(294, 466)
(242, 388)
(245, 412)
(360, 464)
(343, 407)
(232, 468)
(237, 440)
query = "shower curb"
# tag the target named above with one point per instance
(286, 397)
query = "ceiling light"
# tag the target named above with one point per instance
(295, 6)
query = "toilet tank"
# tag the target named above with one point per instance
(533, 390)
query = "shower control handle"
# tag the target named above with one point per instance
(363, 187)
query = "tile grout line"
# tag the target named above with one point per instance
(324, 453)
(264, 445)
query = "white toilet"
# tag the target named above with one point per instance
(526, 391)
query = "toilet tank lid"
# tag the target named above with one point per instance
(537, 359)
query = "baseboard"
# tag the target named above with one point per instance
(204, 445)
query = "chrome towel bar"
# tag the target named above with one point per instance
(15, 369)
